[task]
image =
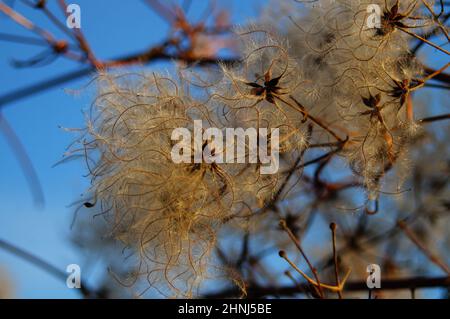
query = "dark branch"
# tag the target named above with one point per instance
(387, 284)
(42, 264)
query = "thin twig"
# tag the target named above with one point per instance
(336, 270)
(295, 240)
(24, 161)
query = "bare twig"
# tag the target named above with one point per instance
(24, 161)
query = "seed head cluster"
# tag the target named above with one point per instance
(320, 74)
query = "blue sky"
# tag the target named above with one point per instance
(113, 28)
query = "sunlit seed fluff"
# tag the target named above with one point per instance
(345, 62)
(320, 76)
(243, 95)
(169, 212)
